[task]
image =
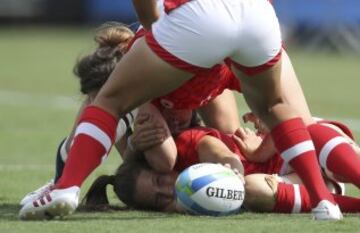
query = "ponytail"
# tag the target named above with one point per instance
(93, 70)
(124, 185)
(96, 198)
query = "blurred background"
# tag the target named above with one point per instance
(324, 24)
(40, 41)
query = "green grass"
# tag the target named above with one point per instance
(38, 100)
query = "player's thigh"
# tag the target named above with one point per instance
(140, 76)
(257, 63)
(292, 90)
(222, 113)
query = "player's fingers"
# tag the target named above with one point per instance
(248, 131)
(141, 118)
(153, 133)
(148, 144)
(240, 132)
(241, 176)
(148, 127)
(249, 117)
(236, 171)
(239, 142)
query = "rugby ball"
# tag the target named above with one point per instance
(209, 189)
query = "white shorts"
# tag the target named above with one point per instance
(202, 33)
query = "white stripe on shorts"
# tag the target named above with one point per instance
(328, 147)
(94, 132)
(297, 150)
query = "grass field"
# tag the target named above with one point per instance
(38, 100)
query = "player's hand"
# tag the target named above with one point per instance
(236, 171)
(258, 124)
(147, 133)
(248, 141)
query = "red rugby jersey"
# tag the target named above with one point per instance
(188, 140)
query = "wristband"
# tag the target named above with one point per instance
(130, 145)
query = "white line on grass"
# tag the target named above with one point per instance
(22, 167)
(17, 98)
(39, 167)
(22, 99)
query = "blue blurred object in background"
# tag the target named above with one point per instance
(330, 24)
(98, 11)
(319, 12)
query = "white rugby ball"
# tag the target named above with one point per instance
(209, 189)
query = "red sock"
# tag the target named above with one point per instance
(93, 139)
(348, 204)
(294, 198)
(294, 143)
(335, 153)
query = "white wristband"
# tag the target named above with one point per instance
(130, 145)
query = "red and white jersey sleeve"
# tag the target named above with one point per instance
(187, 142)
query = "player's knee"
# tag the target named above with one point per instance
(260, 192)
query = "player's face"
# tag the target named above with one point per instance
(156, 190)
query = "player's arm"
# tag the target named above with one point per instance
(151, 139)
(213, 150)
(147, 12)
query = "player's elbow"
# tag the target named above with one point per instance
(162, 160)
(165, 166)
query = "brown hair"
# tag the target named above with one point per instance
(94, 69)
(123, 182)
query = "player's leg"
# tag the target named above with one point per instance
(262, 90)
(63, 148)
(270, 193)
(61, 156)
(222, 113)
(96, 131)
(292, 91)
(336, 153)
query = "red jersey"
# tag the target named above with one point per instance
(188, 140)
(170, 5)
(200, 89)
